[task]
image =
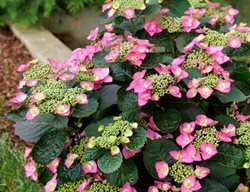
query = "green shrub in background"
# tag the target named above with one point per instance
(26, 12)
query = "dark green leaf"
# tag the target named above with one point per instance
(104, 19)
(177, 8)
(127, 100)
(167, 121)
(92, 129)
(183, 40)
(151, 9)
(18, 115)
(126, 25)
(192, 73)
(234, 95)
(86, 110)
(90, 154)
(44, 175)
(32, 130)
(230, 155)
(225, 120)
(241, 73)
(126, 173)
(108, 163)
(98, 59)
(49, 147)
(138, 139)
(248, 173)
(158, 150)
(151, 61)
(121, 71)
(189, 113)
(167, 58)
(209, 185)
(69, 175)
(60, 122)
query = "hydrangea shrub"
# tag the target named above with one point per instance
(159, 101)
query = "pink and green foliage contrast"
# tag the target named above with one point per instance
(157, 102)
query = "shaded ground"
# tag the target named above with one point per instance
(12, 176)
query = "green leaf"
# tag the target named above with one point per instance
(121, 71)
(60, 122)
(98, 59)
(183, 40)
(192, 73)
(44, 175)
(234, 95)
(151, 9)
(189, 113)
(138, 139)
(90, 154)
(167, 121)
(209, 185)
(104, 19)
(158, 150)
(241, 73)
(177, 8)
(230, 155)
(108, 163)
(248, 173)
(225, 120)
(86, 110)
(126, 25)
(18, 115)
(127, 100)
(49, 147)
(32, 130)
(92, 129)
(126, 173)
(151, 61)
(69, 175)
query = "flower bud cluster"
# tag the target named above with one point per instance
(171, 24)
(79, 149)
(69, 187)
(210, 81)
(38, 71)
(180, 171)
(103, 187)
(243, 133)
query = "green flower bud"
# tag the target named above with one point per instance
(180, 171)
(171, 24)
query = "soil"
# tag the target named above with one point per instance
(12, 54)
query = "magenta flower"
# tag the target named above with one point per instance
(179, 73)
(112, 56)
(66, 77)
(101, 74)
(161, 68)
(190, 184)
(127, 188)
(205, 92)
(182, 156)
(204, 121)
(242, 188)
(32, 113)
(37, 97)
(70, 159)
(62, 110)
(109, 27)
(83, 185)
(88, 86)
(213, 5)
(51, 185)
(187, 127)
(230, 130)
(152, 27)
(162, 169)
(129, 153)
(242, 117)
(229, 18)
(81, 98)
(21, 84)
(194, 83)
(234, 42)
(19, 98)
(136, 58)
(174, 91)
(129, 13)
(191, 93)
(24, 67)
(153, 189)
(164, 11)
(27, 151)
(223, 86)
(184, 139)
(223, 137)
(90, 167)
(93, 34)
(144, 97)
(52, 166)
(164, 186)
(208, 151)
(30, 168)
(201, 172)
(152, 134)
(31, 82)
(190, 23)
(193, 153)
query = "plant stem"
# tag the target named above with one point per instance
(132, 26)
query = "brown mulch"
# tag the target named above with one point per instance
(12, 54)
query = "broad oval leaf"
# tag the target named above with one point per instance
(127, 100)
(151, 61)
(90, 154)
(126, 173)
(86, 110)
(138, 139)
(69, 175)
(98, 59)
(209, 185)
(234, 95)
(158, 150)
(121, 71)
(31, 131)
(167, 121)
(18, 115)
(49, 147)
(108, 163)
(230, 155)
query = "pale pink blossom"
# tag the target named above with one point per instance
(223, 137)
(152, 134)
(174, 91)
(191, 93)
(51, 185)
(242, 117)
(136, 58)
(190, 184)
(112, 56)
(194, 83)
(129, 13)
(32, 113)
(162, 169)
(81, 98)
(37, 97)
(205, 92)
(66, 77)
(52, 166)
(187, 127)
(87, 85)
(229, 130)
(83, 185)
(184, 139)
(179, 60)
(223, 86)
(21, 84)
(161, 68)
(179, 73)
(30, 168)
(70, 159)
(164, 11)
(19, 98)
(31, 82)
(93, 34)
(214, 49)
(127, 188)
(208, 151)
(233, 11)
(234, 42)
(213, 5)
(90, 167)
(204, 121)
(201, 172)
(190, 23)
(214, 18)
(229, 18)
(27, 152)
(142, 86)
(193, 153)
(164, 186)
(62, 110)
(107, 6)
(153, 189)
(109, 27)
(129, 153)
(152, 27)
(144, 97)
